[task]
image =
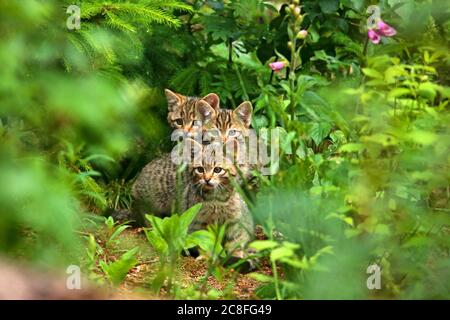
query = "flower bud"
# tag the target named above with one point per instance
(302, 34)
(297, 11)
(289, 44)
(277, 66)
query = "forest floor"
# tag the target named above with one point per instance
(191, 271)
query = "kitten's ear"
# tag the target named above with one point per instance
(174, 100)
(213, 100)
(244, 113)
(204, 111)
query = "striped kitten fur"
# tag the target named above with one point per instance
(209, 181)
(227, 124)
(183, 111)
(154, 190)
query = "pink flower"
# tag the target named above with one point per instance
(277, 66)
(385, 30)
(373, 36)
(382, 29)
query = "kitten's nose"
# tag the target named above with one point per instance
(188, 133)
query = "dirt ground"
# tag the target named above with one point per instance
(191, 271)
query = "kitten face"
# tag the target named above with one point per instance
(230, 124)
(211, 170)
(183, 113)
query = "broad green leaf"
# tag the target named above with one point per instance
(381, 138)
(189, 215)
(281, 252)
(261, 277)
(117, 270)
(372, 73)
(318, 131)
(427, 90)
(422, 137)
(382, 229)
(300, 264)
(417, 241)
(329, 6)
(352, 147)
(261, 245)
(291, 245)
(398, 92)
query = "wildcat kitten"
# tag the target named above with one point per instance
(154, 190)
(228, 124)
(209, 181)
(183, 111)
(232, 129)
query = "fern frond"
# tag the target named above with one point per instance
(89, 10)
(205, 82)
(186, 80)
(175, 5)
(149, 14)
(116, 23)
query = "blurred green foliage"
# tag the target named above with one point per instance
(364, 168)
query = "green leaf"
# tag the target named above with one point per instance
(422, 137)
(156, 241)
(382, 229)
(329, 6)
(206, 240)
(118, 231)
(291, 245)
(318, 131)
(281, 252)
(189, 215)
(382, 139)
(261, 277)
(427, 90)
(352, 147)
(398, 92)
(300, 264)
(417, 241)
(117, 270)
(338, 136)
(261, 245)
(372, 73)
(110, 223)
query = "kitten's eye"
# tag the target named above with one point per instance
(218, 170)
(179, 121)
(199, 170)
(232, 133)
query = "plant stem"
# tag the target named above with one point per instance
(292, 78)
(275, 276)
(241, 82)
(230, 51)
(364, 53)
